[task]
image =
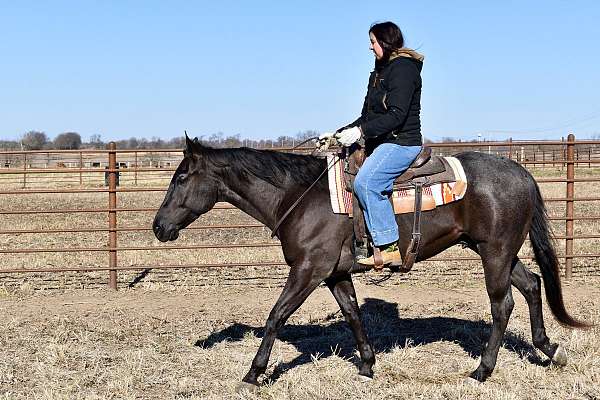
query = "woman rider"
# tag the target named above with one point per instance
(391, 126)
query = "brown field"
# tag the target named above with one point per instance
(197, 342)
(192, 333)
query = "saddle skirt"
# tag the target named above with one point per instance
(449, 188)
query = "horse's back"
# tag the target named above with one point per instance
(487, 172)
(499, 195)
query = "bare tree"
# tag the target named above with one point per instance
(68, 141)
(133, 143)
(176, 143)
(34, 140)
(96, 141)
(304, 135)
(9, 144)
(215, 139)
(232, 141)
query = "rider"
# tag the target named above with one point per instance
(391, 126)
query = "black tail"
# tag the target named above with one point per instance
(545, 256)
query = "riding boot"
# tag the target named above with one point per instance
(388, 255)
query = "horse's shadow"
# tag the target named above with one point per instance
(385, 329)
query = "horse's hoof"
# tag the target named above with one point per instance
(560, 356)
(245, 387)
(364, 378)
(471, 382)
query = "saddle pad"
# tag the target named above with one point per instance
(434, 195)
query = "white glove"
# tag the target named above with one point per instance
(325, 140)
(325, 135)
(348, 136)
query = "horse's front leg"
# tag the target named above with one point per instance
(301, 282)
(343, 290)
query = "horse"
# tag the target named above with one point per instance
(502, 204)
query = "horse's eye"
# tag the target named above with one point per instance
(181, 178)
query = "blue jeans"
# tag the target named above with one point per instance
(373, 185)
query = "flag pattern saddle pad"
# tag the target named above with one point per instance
(434, 195)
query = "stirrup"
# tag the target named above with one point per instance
(361, 250)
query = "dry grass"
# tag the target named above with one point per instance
(191, 334)
(197, 343)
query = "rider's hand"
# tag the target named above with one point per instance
(348, 136)
(325, 135)
(325, 140)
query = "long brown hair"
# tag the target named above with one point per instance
(390, 38)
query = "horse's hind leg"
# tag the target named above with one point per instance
(343, 290)
(301, 282)
(529, 284)
(497, 281)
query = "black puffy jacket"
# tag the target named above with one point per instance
(392, 106)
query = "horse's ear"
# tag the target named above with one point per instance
(190, 146)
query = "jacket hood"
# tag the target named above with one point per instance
(408, 53)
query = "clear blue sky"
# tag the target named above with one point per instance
(262, 69)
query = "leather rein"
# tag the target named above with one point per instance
(289, 211)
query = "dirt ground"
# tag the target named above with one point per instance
(197, 342)
(192, 334)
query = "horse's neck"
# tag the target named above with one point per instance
(257, 198)
(263, 200)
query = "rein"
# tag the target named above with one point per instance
(288, 212)
(304, 142)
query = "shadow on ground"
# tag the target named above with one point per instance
(386, 330)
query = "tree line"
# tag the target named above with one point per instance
(38, 140)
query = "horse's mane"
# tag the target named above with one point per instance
(276, 167)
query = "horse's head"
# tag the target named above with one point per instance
(192, 192)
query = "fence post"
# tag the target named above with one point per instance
(564, 154)
(24, 170)
(543, 159)
(135, 171)
(80, 168)
(112, 215)
(570, 205)
(510, 148)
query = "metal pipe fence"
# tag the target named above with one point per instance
(116, 172)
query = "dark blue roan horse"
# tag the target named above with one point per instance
(501, 206)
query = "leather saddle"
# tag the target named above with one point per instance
(424, 171)
(425, 168)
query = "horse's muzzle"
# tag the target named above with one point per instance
(164, 234)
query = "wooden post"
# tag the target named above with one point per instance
(112, 215)
(510, 148)
(570, 150)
